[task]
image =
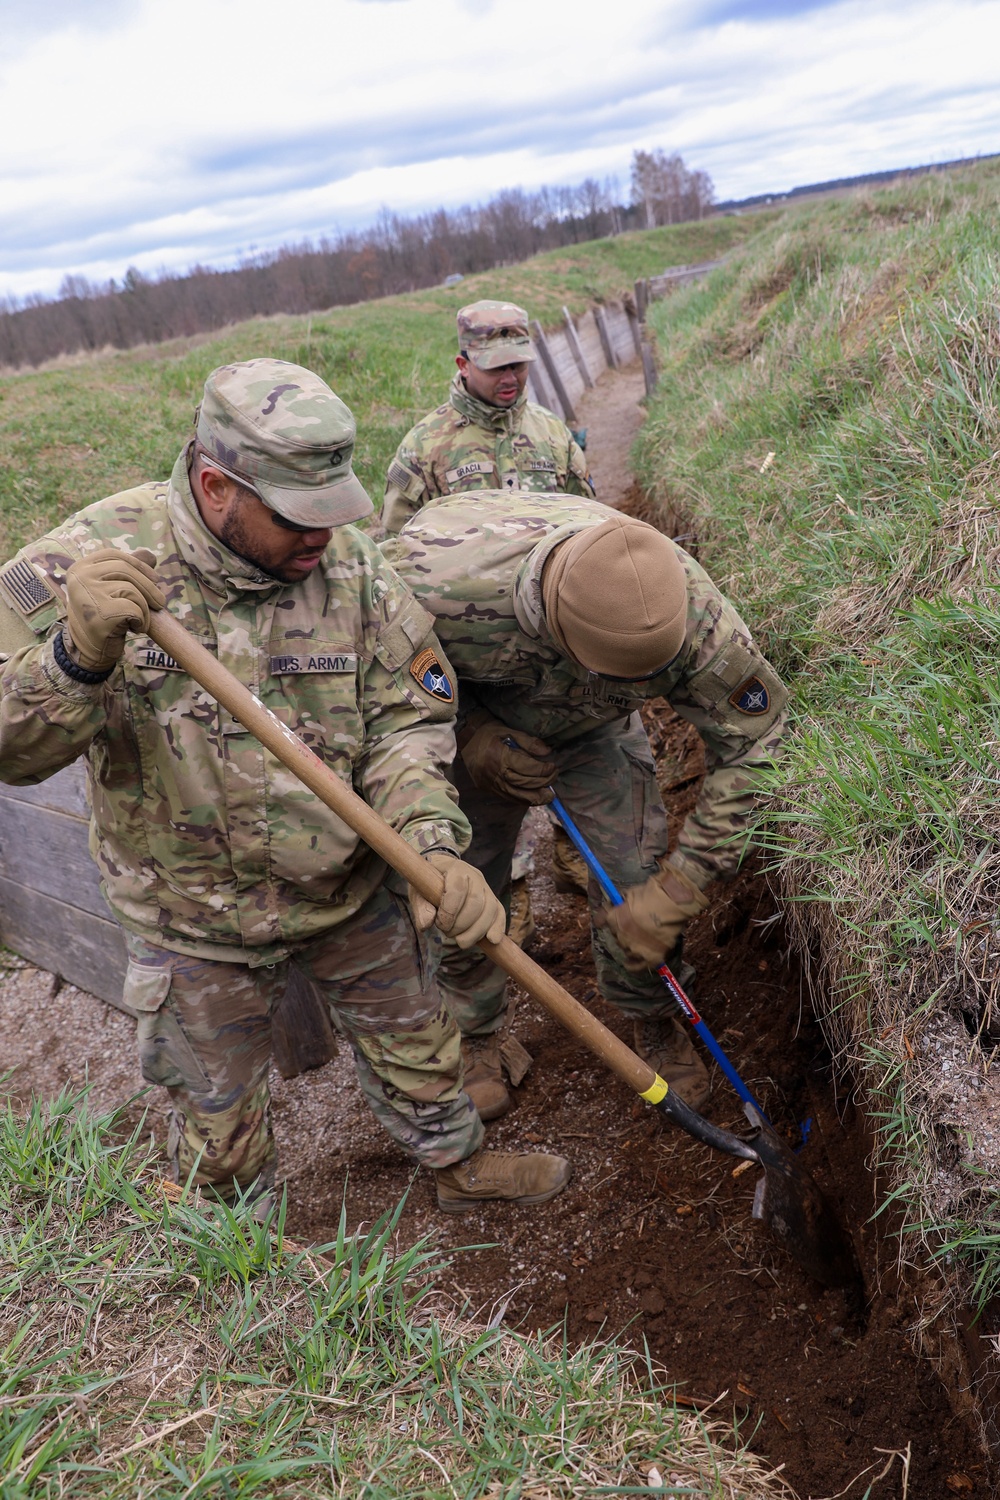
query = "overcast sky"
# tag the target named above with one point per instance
(161, 133)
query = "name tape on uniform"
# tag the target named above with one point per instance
(474, 466)
(319, 661)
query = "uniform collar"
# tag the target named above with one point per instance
(218, 568)
(493, 418)
(526, 589)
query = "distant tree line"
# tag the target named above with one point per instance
(396, 254)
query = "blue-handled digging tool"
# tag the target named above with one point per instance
(678, 996)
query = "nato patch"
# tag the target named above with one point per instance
(27, 590)
(432, 677)
(751, 697)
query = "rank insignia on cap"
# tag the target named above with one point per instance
(432, 677)
(751, 697)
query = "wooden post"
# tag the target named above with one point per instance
(649, 368)
(633, 323)
(569, 415)
(606, 344)
(577, 351)
(538, 390)
(641, 299)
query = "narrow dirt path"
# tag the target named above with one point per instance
(612, 415)
(654, 1239)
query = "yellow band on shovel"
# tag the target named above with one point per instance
(658, 1089)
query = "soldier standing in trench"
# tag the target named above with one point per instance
(217, 862)
(488, 435)
(560, 619)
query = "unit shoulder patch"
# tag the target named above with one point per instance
(26, 589)
(751, 697)
(426, 669)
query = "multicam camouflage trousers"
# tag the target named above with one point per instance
(608, 783)
(204, 1033)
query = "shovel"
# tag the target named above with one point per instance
(787, 1199)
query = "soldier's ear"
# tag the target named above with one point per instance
(213, 491)
(462, 362)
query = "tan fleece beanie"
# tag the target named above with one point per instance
(615, 598)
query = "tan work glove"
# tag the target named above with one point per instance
(518, 771)
(652, 917)
(109, 593)
(468, 910)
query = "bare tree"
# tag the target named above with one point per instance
(666, 191)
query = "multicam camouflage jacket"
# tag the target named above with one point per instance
(469, 445)
(204, 841)
(475, 561)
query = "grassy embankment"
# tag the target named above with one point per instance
(151, 1350)
(858, 342)
(91, 425)
(154, 1350)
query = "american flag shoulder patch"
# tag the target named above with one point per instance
(26, 589)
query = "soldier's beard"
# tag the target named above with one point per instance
(237, 538)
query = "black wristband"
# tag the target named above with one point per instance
(66, 664)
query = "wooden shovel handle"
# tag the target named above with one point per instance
(286, 746)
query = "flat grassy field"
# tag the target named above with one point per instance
(828, 429)
(92, 425)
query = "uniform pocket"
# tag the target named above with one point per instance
(649, 818)
(166, 1056)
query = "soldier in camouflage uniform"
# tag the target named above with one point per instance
(560, 620)
(488, 435)
(218, 863)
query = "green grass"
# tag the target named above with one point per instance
(92, 425)
(858, 342)
(175, 1353)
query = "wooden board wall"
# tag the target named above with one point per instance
(52, 913)
(51, 908)
(622, 340)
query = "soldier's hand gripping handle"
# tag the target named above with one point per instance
(109, 593)
(509, 767)
(468, 909)
(652, 917)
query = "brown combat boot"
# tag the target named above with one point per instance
(569, 868)
(531, 1178)
(667, 1047)
(521, 928)
(486, 1060)
(484, 1075)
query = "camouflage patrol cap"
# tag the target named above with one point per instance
(494, 333)
(281, 429)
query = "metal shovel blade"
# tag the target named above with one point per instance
(797, 1212)
(787, 1200)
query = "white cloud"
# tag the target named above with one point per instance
(160, 132)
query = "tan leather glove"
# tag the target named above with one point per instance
(652, 917)
(468, 910)
(109, 593)
(519, 771)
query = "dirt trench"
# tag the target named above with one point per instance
(653, 1241)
